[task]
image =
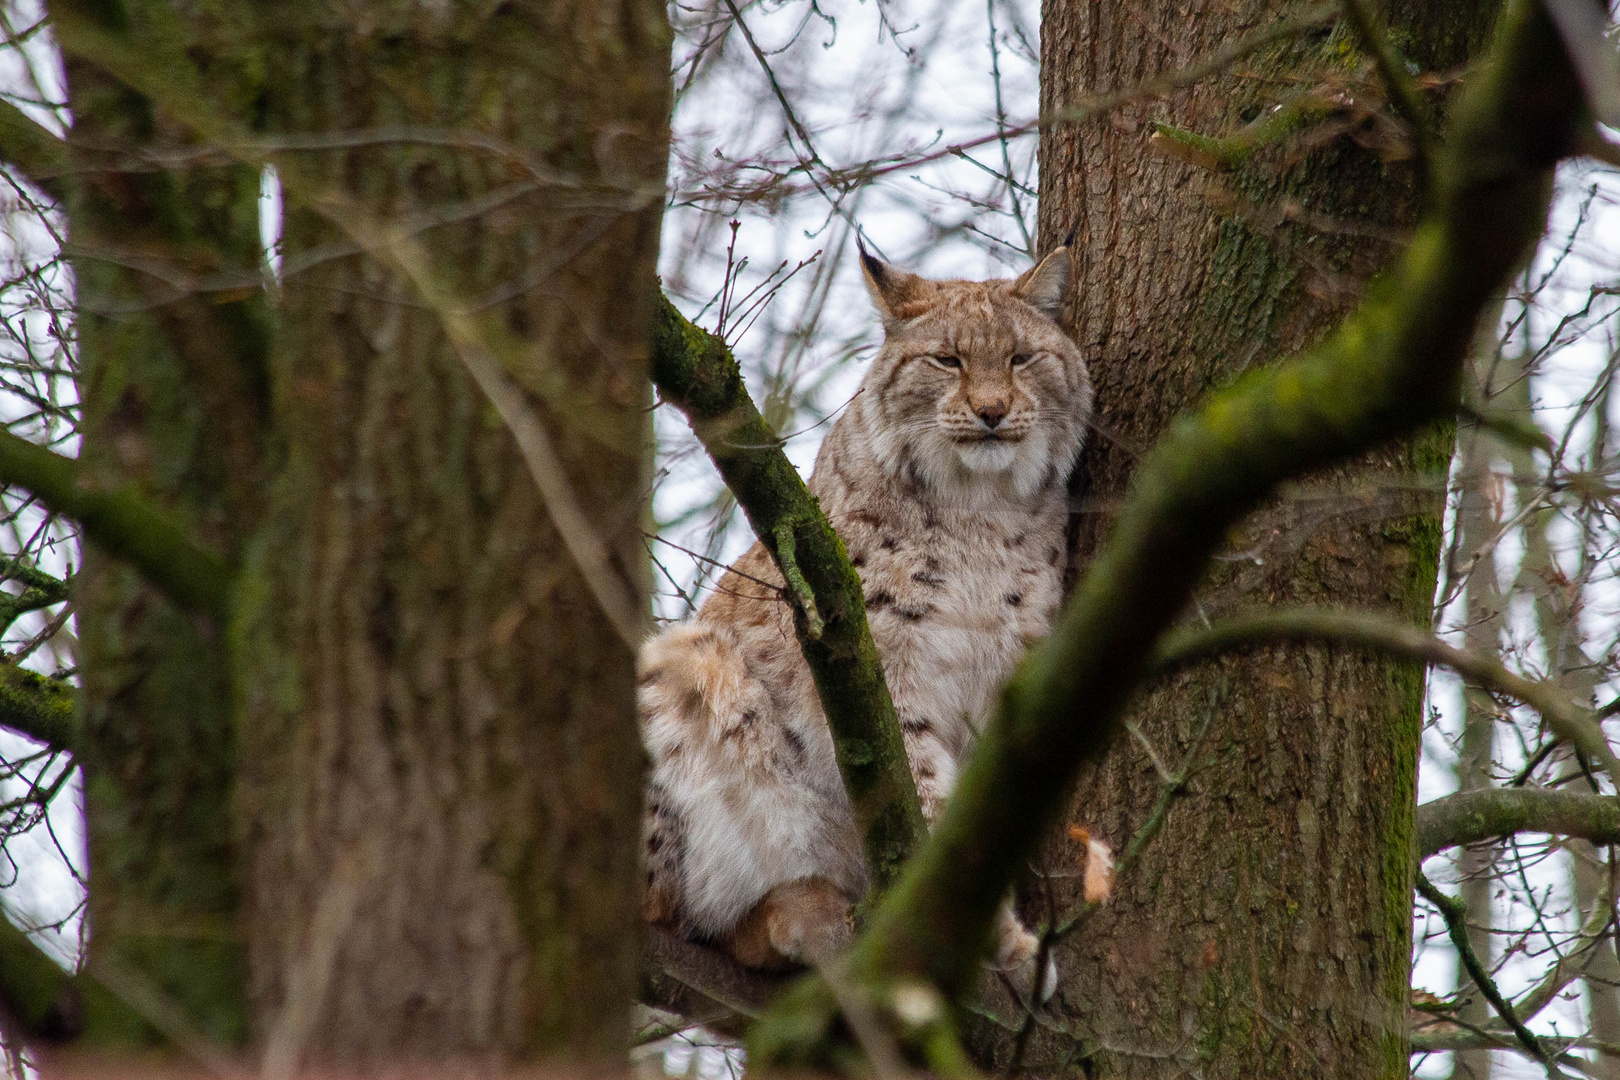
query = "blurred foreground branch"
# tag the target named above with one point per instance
(123, 523)
(53, 1006)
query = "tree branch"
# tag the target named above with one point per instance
(123, 523)
(1455, 913)
(1390, 369)
(1391, 637)
(40, 590)
(38, 706)
(32, 152)
(1491, 1040)
(700, 983)
(1472, 816)
(38, 993)
(695, 371)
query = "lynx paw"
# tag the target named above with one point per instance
(797, 923)
(1016, 952)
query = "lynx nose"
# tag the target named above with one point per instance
(992, 413)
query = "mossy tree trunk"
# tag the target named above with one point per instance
(172, 382)
(442, 784)
(1266, 930)
(387, 807)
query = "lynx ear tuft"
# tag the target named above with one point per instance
(897, 294)
(1042, 287)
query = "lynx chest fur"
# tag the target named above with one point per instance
(946, 479)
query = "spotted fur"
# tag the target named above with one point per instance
(946, 478)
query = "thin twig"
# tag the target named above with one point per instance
(1455, 913)
(1403, 89)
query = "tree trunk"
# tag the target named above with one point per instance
(171, 379)
(1266, 930)
(442, 781)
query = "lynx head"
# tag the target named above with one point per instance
(975, 387)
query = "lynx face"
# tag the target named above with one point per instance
(976, 387)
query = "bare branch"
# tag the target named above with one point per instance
(1567, 720)
(1471, 816)
(1456, 915)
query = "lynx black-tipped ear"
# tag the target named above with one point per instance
(1042, 286)
(897, 294)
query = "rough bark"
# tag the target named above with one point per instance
(1266, 930)
(442, 781)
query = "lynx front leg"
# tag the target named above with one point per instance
(803, 922)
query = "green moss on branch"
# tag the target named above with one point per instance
(1221, 153)
(123, 523)
(38, 706)
(695, 372)
(1472, 816)
(32, 152)
(40, 590)
(1392, 368)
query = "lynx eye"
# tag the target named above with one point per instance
(951, 362)
(1020, 359)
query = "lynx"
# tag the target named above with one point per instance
(946, 478)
